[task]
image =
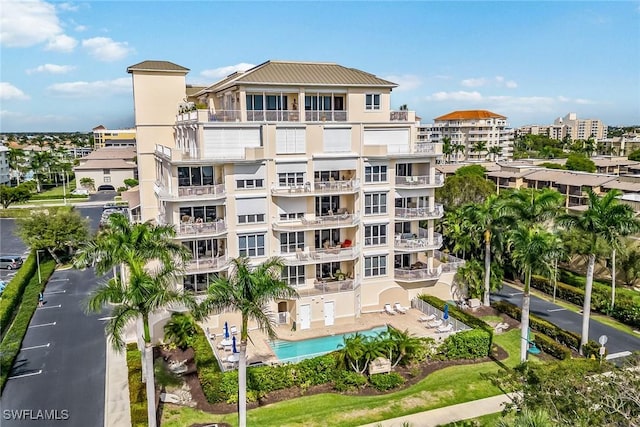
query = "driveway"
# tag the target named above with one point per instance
(618, 342)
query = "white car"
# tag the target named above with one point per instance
(80, 192)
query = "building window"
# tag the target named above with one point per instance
(251, 245)
(254, 102)
(375, 266)
(106, 171)
(290, 242)
(290, 178)
(198, 282)
(375, 234)
(250, 219)
(291, 216)
(202, 175)
(293, 275)
(327, 270)
(107, 179)
(375, 174)
(372, 101)
(193, 213)
(249, 183)
(375, 203)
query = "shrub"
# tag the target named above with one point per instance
(383, 382)
(552, 347)
(12, 340)
(12, 294)
(348, 380)
(137, 391)
(208, 369)
(471, 344)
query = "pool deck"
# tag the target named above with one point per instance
(258, 349)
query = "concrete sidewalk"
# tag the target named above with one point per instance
(116, 393)
(448, 414)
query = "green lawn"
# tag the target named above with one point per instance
(58, 191)
(442, 388)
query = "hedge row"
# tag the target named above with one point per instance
(469, 320)
(57, 196)
(551, 331)
(12, 340)
(626, 310)
(12, 294)
(137, 389)
(207, 365)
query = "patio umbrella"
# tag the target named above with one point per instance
(226, 330)
(445, 315)
(234, 349)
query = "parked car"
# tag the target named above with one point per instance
(10, 262)
(80, 192)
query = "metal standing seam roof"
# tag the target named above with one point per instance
(623, 185)
(569, 178)
(106, 164)
(111, 153)
(301, 74)
(152, 65)
(470, 115)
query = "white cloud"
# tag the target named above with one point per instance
(105, 49)
(69, 7)
(80, 28)
(582, 101)
(474, 82)
(405, 81)
(100, 88)
(61, 43)
(219, 73)
(27, 23)
(10, 92)
(455, 96)
(511, 84)
(51, 68)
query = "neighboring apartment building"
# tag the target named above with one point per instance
(5, 177)
(466, 129)
(582, 128)
(108, 167)
(104, 137)
(305, 161)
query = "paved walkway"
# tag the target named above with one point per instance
(448, 414)
(116, 395)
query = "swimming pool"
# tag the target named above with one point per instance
(295, 351)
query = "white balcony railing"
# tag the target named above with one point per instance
(420, 213)
(304, 223)
(449, 263)
(420, 181)
(313, 256)
(416, 275)
(403, 242)
(428, 148)
(325, 286)
(202, 190)
(202, 228)
(319, 187)
(207, 264)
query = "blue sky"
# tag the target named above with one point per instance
(63, 64)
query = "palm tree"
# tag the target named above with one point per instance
(531, 251)
(180, 329)
(488, 218)
(479, 147)
(447, 148)
(248, 290)
(534, 206)
(147, 292)
(529, 418)
(352, 352)
(495, 151)
(605, 219)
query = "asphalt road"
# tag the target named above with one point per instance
(618, 341)
(10, 244)
(60, 369)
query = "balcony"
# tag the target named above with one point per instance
(433, 148)
(208, 192)
(406, 243)
(419, 213)
(324, 286)
(420, 181)
(448, 262)
(318, 188)
(331, 221)
(325, 116)
(203, 229)
(226, 116)
(207, 265)
(408, 275)
(315, 256)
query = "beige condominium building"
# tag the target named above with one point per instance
(305, 161)
(473, 134)
(103, 137)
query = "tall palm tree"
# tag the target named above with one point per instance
(531, 251)
(605, 219)
(248, 290)
(147, 292)
(495, 151)
(447, 148)
(488, 218)
(534, 206)
(479, 147)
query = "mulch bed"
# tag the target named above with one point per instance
(412, 375)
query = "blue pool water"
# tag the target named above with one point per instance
(295, 351)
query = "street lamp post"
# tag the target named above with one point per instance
(38, 263)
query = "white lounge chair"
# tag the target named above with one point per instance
(400, 309)
(234, 330)
(444, 328)
(389, 310)
(434, 323)
(427, 318)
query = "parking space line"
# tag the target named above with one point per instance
(38, 372)
(37, 346)
(58, 280)
(43, 324)
(107, 318)
(513, 294)
(619, 354)
(55, 292)
(551, 310)
(52, 306)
